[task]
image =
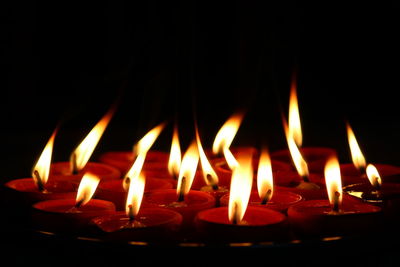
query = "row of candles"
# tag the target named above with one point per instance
(238, 194)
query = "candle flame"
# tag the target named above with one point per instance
(41, 170)
(265, 181)
(135, 195)
(333, 181)
(188, 169)
(294, 116)
(224, 138)
(356, 154)
(373, 176)
(209, 175)
(298, 160)
(85, 149)
(174, 162)
(144, 145)
(242, 178)
(86, 188)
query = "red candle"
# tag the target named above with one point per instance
(123, 160)
(375, 191)
(333, 217)
(70, 215)
(194, 202)
(315, 157)
(115, 192)
(280, 200)
(258, 224)
(239, 223)
(154, 224)
(62, 171)
(26, 191)
(183, 200)
(150, 224)
(60, 215)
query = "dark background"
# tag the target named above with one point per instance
(67, 62)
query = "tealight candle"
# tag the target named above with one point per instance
(27, 191)
(70, 215)
(333, 217)
(183, 200)
(239, 223)
(152, 224)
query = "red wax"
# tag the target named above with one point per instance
(315, 157)
(123, 160)
(351, 175)
(258, 224)
(62, 171)
(291, 181)
(24, 191)
(60, 215)
(280, 201)
(151, 224)
(114, 191)
(194, 202)
(314, 218)
(387, 197)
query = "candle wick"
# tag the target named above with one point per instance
(181, 196)
(210, 181)
(74, 167)
(38, 181)
(78, 204)
(306, 178)
(377, 184)
(266, 197)
(130, 213)
(335, 207)
(235, 214)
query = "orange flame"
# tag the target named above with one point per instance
(174, 162)
(85, 149)
(265, 183)
(86, 189)
(333, 182)
(41, 170)
(242, 179)
(373, 176)
(134, 171)
(135, 195)
(356, 154)
(144, 145)
(209, 175)
(298, 160)
(294, 116)
(188, 169)
(225, 136)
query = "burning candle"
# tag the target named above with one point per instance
(315, 156)
(308, 186)
(73, 170)
(72, 215)
(339, 216)
(356, 172)
(210, 181)
(266, 195)
(183, 200)
(139, 224)
(237, 222)
(29, 190)
(375, 191)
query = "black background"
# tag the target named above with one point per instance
(67, 62)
